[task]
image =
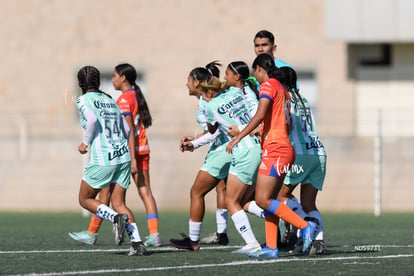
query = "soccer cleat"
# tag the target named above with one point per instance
(84, 237)
(298, 247)
(318, 248)
(250, 247)
(307, 235)
(216, 239)
(265, 252)
(288, 238)
(137, 249)
(185, 243)
(153, 240)
(119, 227)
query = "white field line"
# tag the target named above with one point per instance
(238, 263)
(169, 248)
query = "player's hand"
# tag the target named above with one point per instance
(233, 131)
(83, 148)
(187, 146)
(134, 169)
(185, 139)
(230, 145)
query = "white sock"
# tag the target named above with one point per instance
(319, 226)
(295, 206)
(222, 216)
(254, 209)
(241, 222)
(104, 212)
(194, 230)
(133, 232)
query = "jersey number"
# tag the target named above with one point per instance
(112, 128)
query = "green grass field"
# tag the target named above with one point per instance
(38, 244)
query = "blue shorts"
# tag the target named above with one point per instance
(307, 169)
(99, 177)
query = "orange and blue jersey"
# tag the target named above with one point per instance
(276, 124)
(128, 104)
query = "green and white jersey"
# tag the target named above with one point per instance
(252, 102)
(251, 99)
(303, 132)
(230, 108)
(106, 131)
(201, 113)
(202, 118)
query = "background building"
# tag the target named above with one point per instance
(354, 59)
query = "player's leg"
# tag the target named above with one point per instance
(203, 184)
(142, 181)
(90, 236)
(235, 191)
(220, 236)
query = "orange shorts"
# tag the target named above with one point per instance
(142, 161)
(277, 159)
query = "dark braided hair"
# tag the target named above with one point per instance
(130, 74)
(89, 78)
(205, 73)
(241, 68)
(290, 81)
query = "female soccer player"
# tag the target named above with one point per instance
(309, 168)
(135, 110)
(213, 171)
(277, 155)
(197, 75)
(106, 137)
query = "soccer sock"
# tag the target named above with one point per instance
(319, 224)
(254, 209)
(104, 212)
(133, 232)
(222, 216)
(241, 222)
(94, 224)
(294, 204)
(152, 221)
(194, 230)
(285, 213)
(271, 224)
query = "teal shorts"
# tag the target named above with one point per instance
(99, 177)
(307, 169)
(217, 163)
(245, 164)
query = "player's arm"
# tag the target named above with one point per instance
(264, 104)
(131, 141)
(91, 121)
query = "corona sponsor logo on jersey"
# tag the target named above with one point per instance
(98, 104)
(226, 107)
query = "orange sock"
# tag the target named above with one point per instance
(271, 226)
(95, 224)
(152, 221)
(285, 213)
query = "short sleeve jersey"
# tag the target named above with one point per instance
(128, 104)
(303, 132)
(230, 108)
(275, 127)
(109, 144)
